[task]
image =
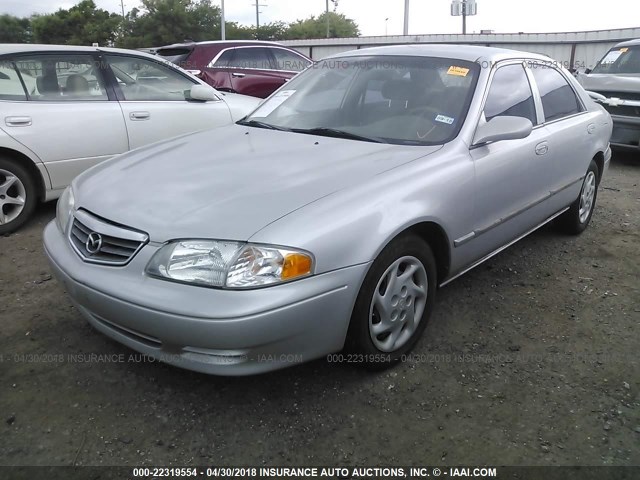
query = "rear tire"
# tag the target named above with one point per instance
(575, 220)
(18, 195)
(394, 303)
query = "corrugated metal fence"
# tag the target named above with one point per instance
(573, 49)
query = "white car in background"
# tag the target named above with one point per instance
(64, 109)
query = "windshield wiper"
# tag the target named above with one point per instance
(336, 133)
(259, 124)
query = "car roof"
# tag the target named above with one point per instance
(221, 43)
(629, 43)
(471, 53)
(11, 48)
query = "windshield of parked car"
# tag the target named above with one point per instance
(389, 99)
(620, 60)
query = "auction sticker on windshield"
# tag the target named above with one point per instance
(274, 102)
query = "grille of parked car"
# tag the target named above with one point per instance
(98, 241)
(622, 110)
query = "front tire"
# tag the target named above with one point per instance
(394, 303)
(18, 196)
(575, 220)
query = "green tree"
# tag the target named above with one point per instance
(162, 22)
(316, 27)
(14, 29)
(82, 24)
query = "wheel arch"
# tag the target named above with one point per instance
(599, 159)
(433, 234)
(31, 167)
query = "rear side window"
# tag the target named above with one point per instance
(61, 78)
(510, 95)
(10, 85)
(558, 98)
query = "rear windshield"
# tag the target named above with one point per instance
(620, 60)
(176, 55)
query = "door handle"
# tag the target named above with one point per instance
(238, 75)
(17, 121)
(542, 148)
(591, 128)
(139, 115)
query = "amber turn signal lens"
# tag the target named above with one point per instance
(295, 265)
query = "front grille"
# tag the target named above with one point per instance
(97, 241)
(622, 110)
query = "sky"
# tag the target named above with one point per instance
(426, 16)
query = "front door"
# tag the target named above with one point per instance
(512, 176)
(154, 101)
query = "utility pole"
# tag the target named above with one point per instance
(257, 4)
(223, 24)
(122, 5)
(406, 17)
(328, 21)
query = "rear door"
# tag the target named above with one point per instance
(153, 97)
(66, 116)
(572, 132)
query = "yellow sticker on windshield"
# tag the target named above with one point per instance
(624, 50)
(458, 71)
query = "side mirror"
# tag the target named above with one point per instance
(201, 93)
(503, 128)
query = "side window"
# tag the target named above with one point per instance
(10, 84)
(289, 61)
(510, 95)
(256, 58)
(558, 98)
(142, 80)
(58, 78)
(223, 60)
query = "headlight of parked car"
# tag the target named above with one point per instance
(228, 264)
(64, 209)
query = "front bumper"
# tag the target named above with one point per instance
(626, 133)
(213, 331)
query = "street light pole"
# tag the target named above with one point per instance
(223, 23)
(406, 17)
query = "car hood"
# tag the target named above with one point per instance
(610, 83)
(230, 182)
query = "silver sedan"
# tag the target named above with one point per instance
(326, 219)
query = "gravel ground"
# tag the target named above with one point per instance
(530, 359)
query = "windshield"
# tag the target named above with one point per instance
(391, 99)
(620, 60)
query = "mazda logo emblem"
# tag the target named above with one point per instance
(93, 243)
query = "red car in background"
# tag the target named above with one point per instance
(248, 67)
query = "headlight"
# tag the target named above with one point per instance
(64, 209)
(228, 264)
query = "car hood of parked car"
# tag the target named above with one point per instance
(610, 82)
(230, 182)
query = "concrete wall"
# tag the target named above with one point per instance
(572, 49)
